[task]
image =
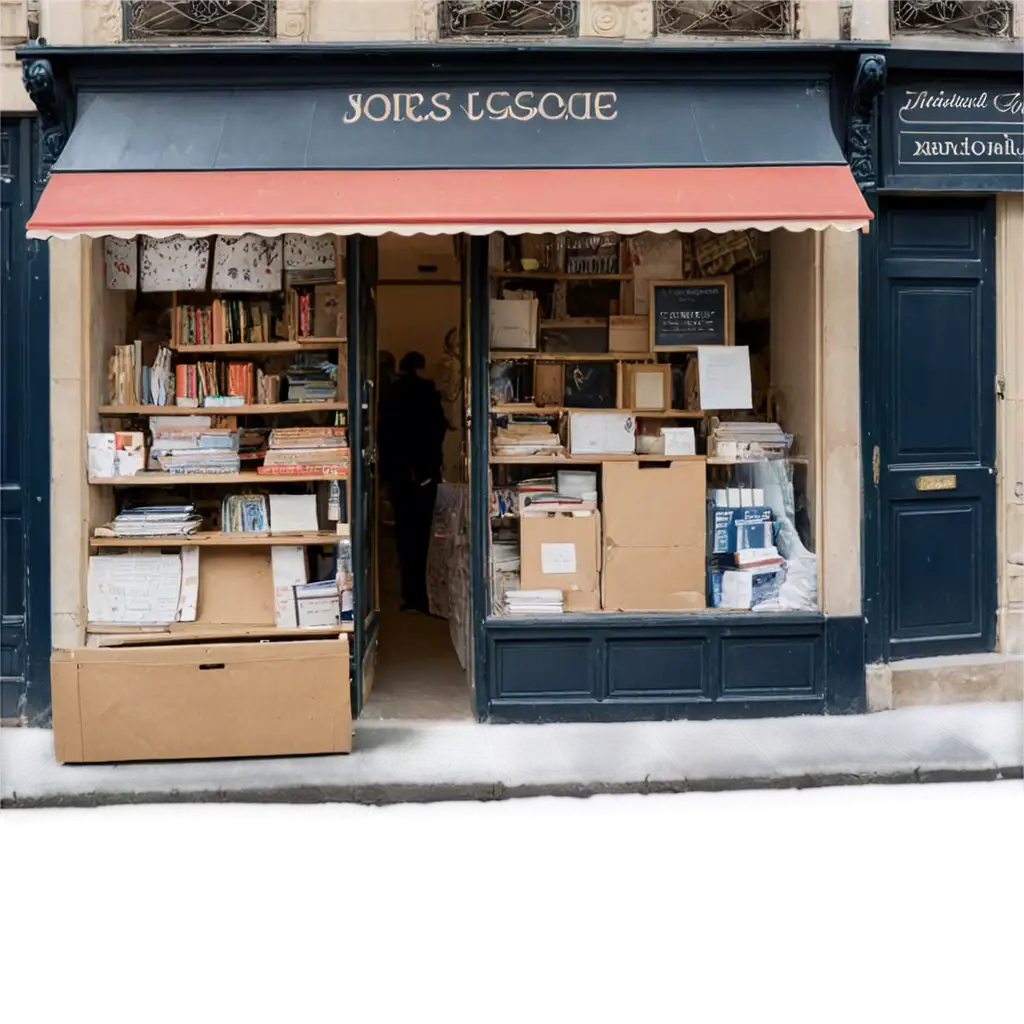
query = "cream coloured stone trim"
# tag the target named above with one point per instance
(335, 21)
(869, 19)
(616, 19)
(818, 19)
(293, 18)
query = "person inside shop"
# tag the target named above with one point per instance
(413, 426)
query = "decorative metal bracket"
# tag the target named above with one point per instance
(51, 101)
(861, 136)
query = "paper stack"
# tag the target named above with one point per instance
(311, 380)
(153, 521)
(526, 438)
(193, 448)
(749, 441)
(533, 602)
(307, 450)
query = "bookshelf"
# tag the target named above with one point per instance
(275, 409)
(246, 476)
(218, 538)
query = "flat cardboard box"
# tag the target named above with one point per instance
(196, 701)
(552, 542)
(630, 334)
(654, 536)
(652, 579)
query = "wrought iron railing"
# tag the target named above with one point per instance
(992, 18)
(476, 19)
(725, 17)
(146, 20)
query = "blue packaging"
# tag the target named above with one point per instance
(736, 529)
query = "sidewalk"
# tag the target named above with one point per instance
(426, 761)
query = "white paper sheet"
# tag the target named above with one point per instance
(134, 589)
(556, 559)
(288, 565)
(293, 513)
(649, 390)
(724, 375)
(188, 599)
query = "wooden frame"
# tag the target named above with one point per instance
(729, 318)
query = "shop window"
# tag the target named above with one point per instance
(725, 17)
(992, 18)
(652, 423)
(146, 20)
(465, 19)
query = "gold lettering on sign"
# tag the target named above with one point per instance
(936, 483)
(498, 105)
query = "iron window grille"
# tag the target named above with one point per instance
(725, 17)
(481, 19)
(991, 18)
(146, 20)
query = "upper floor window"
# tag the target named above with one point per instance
(146, 20)
(725, 17)
(462, 19)
(992, 18)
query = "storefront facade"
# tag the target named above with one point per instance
(941, 356)
(802, 100)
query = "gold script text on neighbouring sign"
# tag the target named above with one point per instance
(499, 105)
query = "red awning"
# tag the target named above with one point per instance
(627, 200)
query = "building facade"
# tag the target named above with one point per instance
(879, 47)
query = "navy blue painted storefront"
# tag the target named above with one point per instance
(950, 135)
(575, 667)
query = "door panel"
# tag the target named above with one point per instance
(361, 274)
(24, 430)
(936, 476)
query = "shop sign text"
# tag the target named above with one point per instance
(482, 105)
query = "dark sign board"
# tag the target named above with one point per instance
(957, 135)
(688, 313)
(604, 123)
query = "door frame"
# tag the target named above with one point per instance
(873, 423)
(33, 318)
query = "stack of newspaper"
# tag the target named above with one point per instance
(153, 521)
(533, 602)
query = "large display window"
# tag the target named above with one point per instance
(652, 423)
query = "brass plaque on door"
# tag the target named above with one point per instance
(936, 483)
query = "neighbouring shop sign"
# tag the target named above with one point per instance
(958, 132)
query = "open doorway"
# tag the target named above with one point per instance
(423, 641)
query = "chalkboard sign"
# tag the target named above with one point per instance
(689, 313)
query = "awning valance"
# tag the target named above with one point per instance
(474, 201)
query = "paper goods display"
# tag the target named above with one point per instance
(142, 589)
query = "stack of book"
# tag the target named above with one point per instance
(526, 438)
(195, 447)
(307, 450)
(311, 380)
(153, 521)
(534, 602)
(232, 321)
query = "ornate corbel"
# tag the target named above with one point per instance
(860, 131)
(50, 101)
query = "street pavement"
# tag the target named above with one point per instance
(396, 762)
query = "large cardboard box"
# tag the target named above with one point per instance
(563, 552)
(654, 536)
(197, 701)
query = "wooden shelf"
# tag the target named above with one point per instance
(526, 460)
(118, 635)
(217, 538)
(551, 275)
(553, 410)
(269, 347)
(246, 476)
(573, 357)
(225, 410)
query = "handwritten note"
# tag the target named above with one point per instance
(724, 377)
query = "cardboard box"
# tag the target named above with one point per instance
(563, 552)
(654, 536)
(629, 334)
(195, 701)
(601, 433)
(647, 387)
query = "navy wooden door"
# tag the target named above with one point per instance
(361, 275)
(934, 467)
(24, 434)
